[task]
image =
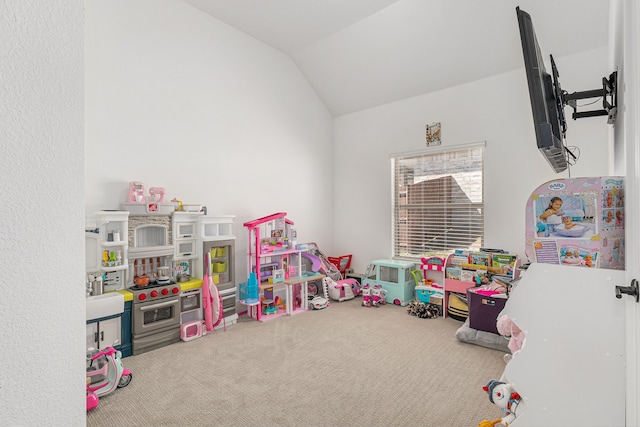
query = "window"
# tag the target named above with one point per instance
(438, 203)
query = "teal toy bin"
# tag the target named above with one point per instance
(426, 293)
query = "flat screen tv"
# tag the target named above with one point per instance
(545, 94)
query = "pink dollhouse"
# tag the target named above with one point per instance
(276, 260)
(269, 235)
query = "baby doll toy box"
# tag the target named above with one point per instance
(577, 222)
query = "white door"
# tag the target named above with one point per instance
(571, 369)
(92, 336)
(109, 332)
(626, 14)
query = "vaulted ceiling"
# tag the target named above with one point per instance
(358, 54)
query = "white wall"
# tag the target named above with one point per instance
(495, 110)
(178, 99)
(42, 310)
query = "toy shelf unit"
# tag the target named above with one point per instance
(395, 277)
(216, 227)
(432, 269)
(215, 236)
(106, 247)
(222, 272)
(213, 228)
(464, 270)
(430, 281)
(185, 235)
(275, 259)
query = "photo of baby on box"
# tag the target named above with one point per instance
(566, 216)
(577, 222)
(577, 255)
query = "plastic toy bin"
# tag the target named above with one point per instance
(219, 267)
(248, 293)
(428, 294)
(484, 311)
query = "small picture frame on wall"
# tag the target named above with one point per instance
(433, 134)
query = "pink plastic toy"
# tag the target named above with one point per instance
(378, 296)
(156, 194)
(106, 372)
(92, 398)
(136, 192)
(507, 328)
(366, 296)
(341, 290)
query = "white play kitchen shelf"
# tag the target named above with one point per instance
(106, 248)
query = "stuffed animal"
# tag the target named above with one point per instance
(504, 397)
(507, 328)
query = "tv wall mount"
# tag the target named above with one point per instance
(608, 92)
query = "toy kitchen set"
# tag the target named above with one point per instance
(144, 271)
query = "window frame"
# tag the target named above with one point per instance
(449, 210)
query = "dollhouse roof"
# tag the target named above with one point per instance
(256, 222)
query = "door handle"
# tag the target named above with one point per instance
(629, 290)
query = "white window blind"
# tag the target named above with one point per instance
(438, 202)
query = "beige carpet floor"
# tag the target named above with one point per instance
(346, 365)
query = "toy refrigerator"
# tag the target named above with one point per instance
(587, 231)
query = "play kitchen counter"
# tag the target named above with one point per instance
(190, 284)
(184, 286)
(116, 328)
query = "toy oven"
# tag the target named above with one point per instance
(192, 330)
(190, 300)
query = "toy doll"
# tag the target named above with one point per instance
(619, 219)
(550, 217)
(568, 223)
(588, 260)
(609, 217)
(615, 253)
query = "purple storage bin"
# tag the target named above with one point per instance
(484, 311)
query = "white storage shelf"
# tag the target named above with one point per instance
(185, 237)
(106, 248)
(218, 227)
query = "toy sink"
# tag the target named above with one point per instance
(104, 305)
